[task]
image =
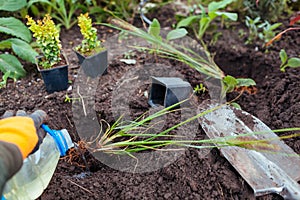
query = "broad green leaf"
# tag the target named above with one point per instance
(213, 6)
(245, 82)
(20, 48)
(9, 63)
(5, 44)
(176, 34)
(187, 21)
(203, 25)
(61, 5)
(203, 11)
(256, 20)
(39, 1)
(283, 56)
(236, 105)
(274, 26)
(228, 15)
(230, 83)
(212, 15)
(154, 29)
(15, 27)
(23, 50)
(293, 62)
(12, 5)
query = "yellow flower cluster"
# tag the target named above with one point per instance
(89, 33)
(47, 37)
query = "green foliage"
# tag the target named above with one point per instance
(154, 29)
(16, 42)
(288, 62)
(230, 83)
(129, 137)
(11, 67)
(14, 27)
(176, 34)
(90, 40)
(47, 37)
(260, 30)
(61, 10)
(205, 18)
(200, 60)
(245, 82)
(200, 88)
(269, 31)
(64, 11)
(268, 10)
(21, 48)
(12, 5)
(71, 99)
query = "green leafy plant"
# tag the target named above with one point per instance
(47, 38)
(279, 35)
(61, 10)
(285, 61)
(16, 38)
(260, 30)
(268, 10)
(127, 138)
(206, 17)
(90, 43)
(69, 99)
(200, 88)
(288, 62)
(200, 60)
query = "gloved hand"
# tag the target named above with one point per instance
(20, 135)
(38, 117)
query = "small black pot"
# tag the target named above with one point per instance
(94, 65)
(167, 91)
(55, 79)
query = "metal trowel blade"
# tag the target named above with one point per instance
(266, 172)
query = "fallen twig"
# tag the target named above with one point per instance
(80, 186)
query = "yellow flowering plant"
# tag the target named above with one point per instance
(90, 43)
(47, 38)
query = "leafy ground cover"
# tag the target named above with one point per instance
(195, 174)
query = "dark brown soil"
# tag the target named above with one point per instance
(192, 175)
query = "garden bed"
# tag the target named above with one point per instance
(195, 174)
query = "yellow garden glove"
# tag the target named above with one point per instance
(19, 136)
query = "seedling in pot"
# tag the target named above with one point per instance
(53, 65)
(91, 54)
(90, 43)
(47, 38)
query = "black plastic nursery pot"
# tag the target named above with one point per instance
(94, 65)
(167, 91)
(55, 79)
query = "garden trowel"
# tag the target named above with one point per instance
(273, 168)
